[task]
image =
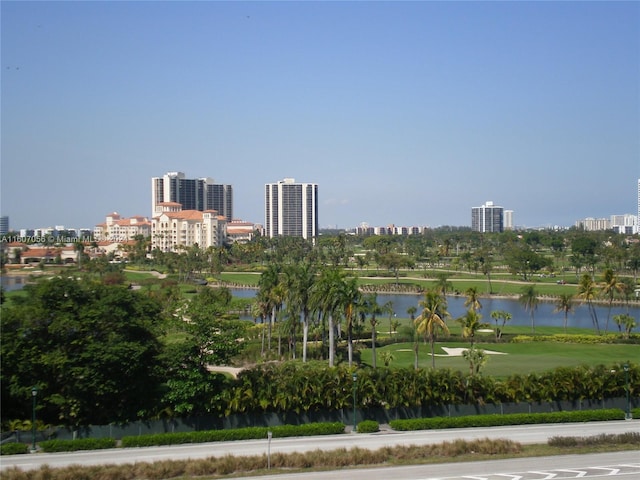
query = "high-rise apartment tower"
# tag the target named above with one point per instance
(487, 218)
(291, 209)
(192, 193)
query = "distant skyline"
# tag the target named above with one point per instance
(408, 113)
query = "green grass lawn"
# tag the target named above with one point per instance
(521, 358)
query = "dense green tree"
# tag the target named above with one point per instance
(91, 350)
(584, 252)
(209, 337)
(522, 260)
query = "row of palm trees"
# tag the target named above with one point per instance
(589, 291)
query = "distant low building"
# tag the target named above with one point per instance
(591, 224)
(626, 223)
(240, 232)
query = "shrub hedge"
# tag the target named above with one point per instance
(368, 426)
(248, 433)
(510, 419)
(51, 446)
(580, 339)
(13, 448)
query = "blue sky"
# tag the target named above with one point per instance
(402, 112)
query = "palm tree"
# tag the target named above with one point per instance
(443, 285)
(611, 285)
(500, 315)
(529, 299)
(328, 296)
(271, 292)
(352, 299)
(260, 309)
(470, 324)
(625, 320)
(588, 291)
(300, 281)
(371, 306)
(476, 358)
(387, 357)
(432, 318)
(473, 299)
(388, 308)
(412, 315)
(564, 304)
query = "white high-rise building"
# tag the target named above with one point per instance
(487, 218)
(291, 209)
(508, 219)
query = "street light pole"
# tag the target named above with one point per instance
(626, 381)
(34, 393)
(355, 380)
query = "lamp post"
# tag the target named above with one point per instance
(355, 380)
(626, 381)
(34, 393)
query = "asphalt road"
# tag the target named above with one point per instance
(523, 434)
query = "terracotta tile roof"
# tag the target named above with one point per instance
(185, 215)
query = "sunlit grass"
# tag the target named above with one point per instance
(512, 358)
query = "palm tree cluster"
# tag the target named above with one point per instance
(295, 294)
(611, 287)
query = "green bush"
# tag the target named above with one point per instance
(368, 426)
(635, 413)
(510, 419)
(234, 434)
(51, 446)
(13, 448)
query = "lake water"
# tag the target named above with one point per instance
(544, 314)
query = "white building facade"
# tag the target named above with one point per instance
(173, 229)
(118, 229)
